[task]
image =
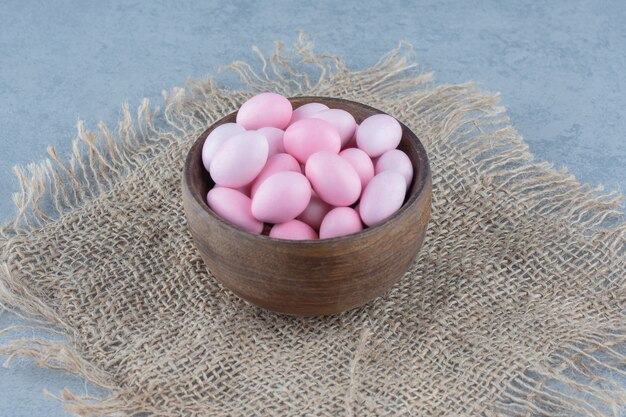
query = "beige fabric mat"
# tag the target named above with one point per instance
(515, 305)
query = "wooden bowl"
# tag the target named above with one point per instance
(312, 277)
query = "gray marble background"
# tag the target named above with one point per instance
(561, 69)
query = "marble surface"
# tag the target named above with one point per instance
(559, 67)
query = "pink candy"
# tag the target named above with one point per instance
(340, 221)
(239, 160)
(303, 170)
(378, 134)
(341, 120)
(361, 163)
(277, 163)
(307, 110)
(293, 230)
(333, 178)
(234, 207)
(281, 197)
(382, 197)
(314, 213)
(274, 137)
(306, 137)
(398, 161)
(216, 139)
(265, 110)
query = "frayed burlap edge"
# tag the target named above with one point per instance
(101, 159)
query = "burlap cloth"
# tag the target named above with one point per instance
(515, 305)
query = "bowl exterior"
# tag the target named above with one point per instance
(310, 277)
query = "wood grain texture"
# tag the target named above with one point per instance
(310, 277)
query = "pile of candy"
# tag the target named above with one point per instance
(309, 173)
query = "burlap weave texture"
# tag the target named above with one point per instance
(515, 305)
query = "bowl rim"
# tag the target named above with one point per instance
(421, 179)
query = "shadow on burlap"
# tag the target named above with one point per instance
(514, 306)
